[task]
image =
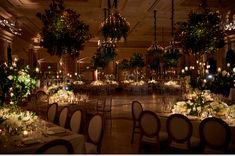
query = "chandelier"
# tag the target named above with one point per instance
(155, 49)
(115, 26)
(10, 25)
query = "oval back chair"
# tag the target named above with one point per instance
(58, 146)
(215, 135)
(136, 110)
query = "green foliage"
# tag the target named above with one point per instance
(62, 30)
(105, 53)
(219, 83)
(171, 57)
(16, 83)
(124, 64)
(115, 27)
(137, 61)
(202, 33)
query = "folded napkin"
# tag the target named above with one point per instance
(55, 130)
(30, 140)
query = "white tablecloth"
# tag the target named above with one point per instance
(17, 144)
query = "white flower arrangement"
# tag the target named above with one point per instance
(204, 105)
(16, 120)
(152, 81)
(112, 82)
(138, 83)
(62, 96)
(98, 83)
(78, 82)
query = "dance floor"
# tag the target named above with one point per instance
(117, 139)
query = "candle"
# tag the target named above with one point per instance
(25, 133)
(219, 69)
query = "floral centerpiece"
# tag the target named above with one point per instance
(97, 83)
(152, 81)
(62, 96)
(15, 121)
(78, 83)
(203, 104)
(138, 83)
(110, 79)
(53, 89)
(172, 83)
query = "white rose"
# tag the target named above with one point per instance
(10, 77)
(199, 109)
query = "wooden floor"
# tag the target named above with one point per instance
(117, 138)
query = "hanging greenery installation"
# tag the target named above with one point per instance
(63, 32)
(106, 52)
(171, 56)
(202, 33)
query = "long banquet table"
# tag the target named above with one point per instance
(40, 135)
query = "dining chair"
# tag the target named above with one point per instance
(42, 96)
(90, 109)
(215, 135)
(104, 107)
(42, 101)
(58, 146)
(180, 131)
(150, 135)
(51, 112)
(75, 121)
(101, 101)
(108, 110)
(95, 135)
(63, 116)
(136, 110)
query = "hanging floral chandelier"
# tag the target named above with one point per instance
(105, 53)
(115, 26)
(155, 50)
